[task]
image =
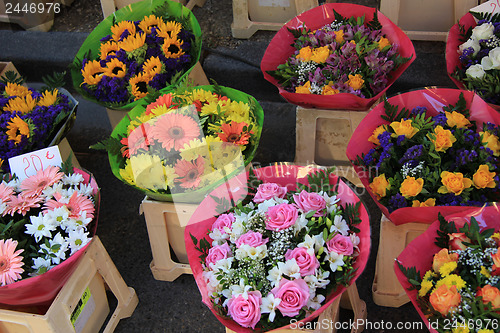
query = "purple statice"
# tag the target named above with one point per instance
(440, 119)
(396, 201)
(368, 158)
(419, 110)
(449, 199)
(412, 154)
(464, 156)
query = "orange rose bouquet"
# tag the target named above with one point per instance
(455, 283)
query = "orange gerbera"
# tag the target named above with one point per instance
(152, 66)
(174, 130)
(118, 29)
(164, 100)
(108, 49)
(14, 89)
(235, 133)
(16, 129)
(48, 98)
(92, 72)
(21, 104)
(139, 85)
(172, 48)
(133, 42)
(170, 29)
(115, 68)
(190, 172)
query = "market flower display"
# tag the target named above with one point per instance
(454, 282)
(136, 51)
(265, 262)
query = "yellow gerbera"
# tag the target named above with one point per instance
(14, 89)
(16, 129)
(115, 68)
(152, 66)
(48, 98)
(108, 48)
(133, 42)
(92, 72)
(172, 48)
(21, 104)
(118, 29)
(139, 85)
(149, 22)
(170, 30)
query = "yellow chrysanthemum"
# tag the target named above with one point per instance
(141, 119)
(170, 29)
(452, 280)
(425, 286)
(128, 173)
(485, 331)
(48, 98)
(115, 68)
(429, 275)
(149, 22)
(14, 89)
(139, 85)
(172, 48)
(21, 104)
(224, 154)
(148, 172)
(461, 328)
(92, 72)
(485, 272)
(108, 48)
(152, 66)
(212, 108)
(133, 42)
(16, 129)
(447, 268)
(204, 96)
(118, 29)
(195, 148)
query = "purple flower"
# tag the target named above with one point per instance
(396, 201)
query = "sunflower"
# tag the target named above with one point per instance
(92, 72)
(133, 42)
(16, 129)
(48, 98)
(118, 29)
(115, 68)
(172, 48)
(108, 49)
(152, 66)
(139, 85)
(170, 29)
(21, 104)
(14, 89)
(149, 22)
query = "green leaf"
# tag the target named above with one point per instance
(195, 241)
(54, 81)
(11, 77)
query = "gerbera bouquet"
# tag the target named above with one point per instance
(473, 55)
(281, 255)
(454, 284)
(337, 56)
(32, 119)
(185, 142)
(426, 148)
(45, 220)
(142, 48)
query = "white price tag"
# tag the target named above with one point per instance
(492, 6)
(26, 165)
(274, 3)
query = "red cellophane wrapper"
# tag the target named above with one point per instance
(236, 188)
(433, 99)
(37, 293)
(280, 48)
(420, 252)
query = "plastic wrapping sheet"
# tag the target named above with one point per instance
(236, 189)
(41, 290)
(434, 99)
(167, 170)
(280, 48)
(420, 252)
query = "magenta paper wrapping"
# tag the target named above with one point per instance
(285, 175)
(434, 99)
(280, 48)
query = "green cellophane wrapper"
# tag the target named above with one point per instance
(134, 12)
(239, 163)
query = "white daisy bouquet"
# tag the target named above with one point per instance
(282, 256)
(45, 220)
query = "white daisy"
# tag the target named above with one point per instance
(41, 265)
(77, 239)
(73, 180)
(40, 227)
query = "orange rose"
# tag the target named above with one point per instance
(444, 298)
(305, 54)
(328, 90)
(411, 187)
(320, 54)
(431, 202)
(454, 182)
(491, 141)
(383, 42)
(456, 239)
(456, 119)
(495, 269)
(379, 185)
(305, 89)
(483, 177)
(339, 36)
(491, 295)
(355, 81)
(379, 130)
(443, 139)
(441, 258)
(404, 128)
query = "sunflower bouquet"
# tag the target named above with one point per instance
(185, 141)
(140, 49)
(31, 119)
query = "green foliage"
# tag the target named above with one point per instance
(54, 81)
(374, 23)
(411, 274)
(67, 165)
(488, 16)
(445, 228)
(392, 112)
(202, 246)
(110, 144)
(12, 77)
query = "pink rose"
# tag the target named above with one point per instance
(251, 238)
(268, 191)
(308, 263)
(224, 220)
(217, 253)
(245, 311)
(309, 202)
(293, 294)
(281, 217)
(341, 245)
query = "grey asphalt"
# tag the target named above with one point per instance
(176, 306)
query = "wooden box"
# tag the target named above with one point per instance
(7, 67)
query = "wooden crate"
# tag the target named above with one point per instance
(166, 222)
(327, 319)
(386, 289)
(251, 15)
(38, 21)
(426, 19)
(81, 305)
(322, 137)
(7, 66)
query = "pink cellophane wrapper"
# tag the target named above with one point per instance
(434, 99)
(235, 188)
(420, 252)
(40, 291)
(280, 49)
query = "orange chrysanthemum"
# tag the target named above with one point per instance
(118, 29)
(115, 68)
(172, 48)
(92, 72)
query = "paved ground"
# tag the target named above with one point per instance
(176, 306)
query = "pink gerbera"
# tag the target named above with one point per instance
(21, 204)
(10, 262)
(75, 205)
(137, 139)
(6, 192)
(190, 172)
(174, 130)
(34, 185)
(165, 100)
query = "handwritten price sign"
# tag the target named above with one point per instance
(29, 164)
(492, 6)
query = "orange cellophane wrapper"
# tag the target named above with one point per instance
(420, 252)
(235, 189)
(280, 49)
(39, 291)
(433, 99)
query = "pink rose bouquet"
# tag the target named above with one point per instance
(280, 255)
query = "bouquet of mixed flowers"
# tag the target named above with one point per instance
(337, 56)
(140, 49)
(281, 255)
(32, 119)
(45, 222)
(185, 142)
(473, 55)
(426, 148)
(454, 284)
